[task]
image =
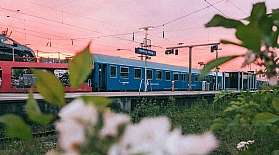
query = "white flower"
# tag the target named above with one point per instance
(115, 150)
(249, 58)
(244, 145)
(153, 137)
(112, 122)
(147, 137)
(251, 141)
(273, 81)
(75, 118)
(241, 145)
(79, 111)
(71, 136)
(177, 144)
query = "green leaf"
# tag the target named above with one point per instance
(50, 87)
(266, 118)
(80, 67)
(16, 127)
(265, 26)
(220, 21)
(258, 12)
(275, 104)
(230, 42)
(215, 63)
(275, 152)
(275, 16)
(34, 113)
(96, 100)
(250, 36)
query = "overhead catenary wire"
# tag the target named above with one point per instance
(154, 27)
(55, 21)
(50, 20)
(34, 31)
(240, 9)
(112, 35)
(188, 14)
(213, 6)
(69, 13)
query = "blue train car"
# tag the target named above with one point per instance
(121, 74)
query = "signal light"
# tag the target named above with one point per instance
(176, 52)
(169, 51)
(213, 48)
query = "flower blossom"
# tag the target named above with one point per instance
(241, 146)
(71, 136)
(146, 137)
(75, 118)
(79, 111)
(153, 137)
(177, 144)
(112, 122)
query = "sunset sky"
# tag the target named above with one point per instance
(63, 22)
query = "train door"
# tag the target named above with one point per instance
(102, 77)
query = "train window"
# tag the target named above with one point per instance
(149, 74)
(168, 75)
(113, 71)
(195, 77)
(175, 76)
(124, 72)
(159, 75)
(137, 73)
(183, 76)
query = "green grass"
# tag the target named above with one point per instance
(192, 118)
(37, 146)
(195, 118)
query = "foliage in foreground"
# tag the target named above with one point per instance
(256, 117)
(85, 128)
(201, 115)
(258, 33)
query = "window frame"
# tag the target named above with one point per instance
(166, 75)
(176, 73)
(161, 73)
(115, 71)
(183, 75)
(147, 74)
(138, 78)
(122, 77)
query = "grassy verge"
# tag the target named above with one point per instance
(37, 146)
(198, 118)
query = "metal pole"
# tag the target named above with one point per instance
(190, 58)
(145, 46)
(145, 75)
(190, 68)
(216, 84)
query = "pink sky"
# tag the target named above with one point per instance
(37, 22)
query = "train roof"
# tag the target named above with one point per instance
(138, 63)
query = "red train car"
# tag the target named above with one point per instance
(15, 77)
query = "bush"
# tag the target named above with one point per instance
(231, 116)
